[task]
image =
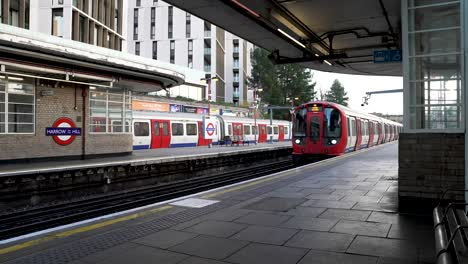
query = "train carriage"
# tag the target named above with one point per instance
(328, 129)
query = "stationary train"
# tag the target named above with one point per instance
(170, 130)
(328, 129)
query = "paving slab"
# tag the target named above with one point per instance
(197, 260)
(345, 214)
(266, 235)
(362, 228)
(263, 219)
(144, 255)
(330, 204)
(276, 204)
(165, 239)
(216, 228)
(321, 241)
(209, 247)
(305, 211)
(324, 257)
(384, 247)
(309, 223)
(267, 254)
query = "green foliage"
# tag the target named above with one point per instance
(281, 84)
(337, 94)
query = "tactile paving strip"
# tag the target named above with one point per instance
(79, 249)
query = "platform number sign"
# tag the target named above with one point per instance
(209, 128)
(63, 131)
(387, 56)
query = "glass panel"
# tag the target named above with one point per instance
(19, 98)
(191, 129)
(332, 122)
(20, 88)
(165, 129)
(2, 117)
(156, 128)
(98, 96)
(98, 104)
(141, 129)
(98, 124)
(275, 130)
(315, 128)
(2, 128)
(300, 125)
(116, 97)
(18, 118)
(270, 132)
(20, 128)
(2, 85)
(246, 130)
(415, 3)
(2, 97)
(254, 130)
(286, 130)
(434, 17)
(435, 92)
(177, 129)
(18, 108)
(444, 41)
(229, 132)
(433, 67)
(435, 117)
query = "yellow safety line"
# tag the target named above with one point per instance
(249, 184)
(81, 230)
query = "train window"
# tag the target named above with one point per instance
(246, 130)
(177, 129)
(315, 128)
(191, 129)
(348, 125)
(165, 129)
(255, 130)
(156, 129)
(270, 132)
(300, 125)
(332, 122)
(353, 127)
(141, 129)
(229, 132)
(275, 130)
(286, 130)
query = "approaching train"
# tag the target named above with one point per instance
(329, 129)
(169, 130)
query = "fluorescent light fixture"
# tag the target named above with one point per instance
(327, 62)
(316, 55)
(15, 78)
(291, 38)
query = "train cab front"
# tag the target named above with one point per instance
(317, 131)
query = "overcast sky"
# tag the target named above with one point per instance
(357, 85)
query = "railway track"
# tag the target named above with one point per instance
(20, 223)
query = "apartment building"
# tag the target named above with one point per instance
(163, 32)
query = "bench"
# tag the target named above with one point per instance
(451, 232)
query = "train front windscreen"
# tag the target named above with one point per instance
(300, 126)
(332, 125)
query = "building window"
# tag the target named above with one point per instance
(170, 21)
(155, 50)
(236, 63)
(155, 1)
(57, 22)
(153, 22)
(207, 29)
(172, 54)
(236, 77)
(17, 103)
(435, 66)
(116, 17)
(187, 25)
(137, 48)
(14, 12)
(110, 112)
(138, 2)
(135, 24)
(190, 54)
(236, 46)
(82, 29)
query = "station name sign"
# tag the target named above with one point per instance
(63, 131)
(387, 56)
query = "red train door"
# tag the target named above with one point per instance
(359, 134)
(237, 130)
(201, 140)
(316, 139)
(371, 134)
(262, 134)
(281, 133)
(160, 137)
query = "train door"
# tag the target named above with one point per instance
(281, 133)
(351, 129)
(160, 136)
(316, 131)
(201, 140)
(141, 134)
(262, 135)
(364, 133)
(358, 133)
(371, 134)
(237, 132)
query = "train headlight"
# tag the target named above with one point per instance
(333, 141)
(298, 141)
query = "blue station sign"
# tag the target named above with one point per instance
(387, 56)
(63, 131)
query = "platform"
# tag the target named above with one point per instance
(341, 210)
(139, 157)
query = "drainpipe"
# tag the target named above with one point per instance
(84, 131)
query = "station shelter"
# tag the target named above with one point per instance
(422, 40)
(62, 99)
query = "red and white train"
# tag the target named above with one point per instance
(153, 130)
(329, 129)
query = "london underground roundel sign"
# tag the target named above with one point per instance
(210, 129)
(63, 131)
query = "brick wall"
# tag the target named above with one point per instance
(65, 102)
(430, 163)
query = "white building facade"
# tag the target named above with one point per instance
(163, 32)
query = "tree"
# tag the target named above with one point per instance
(337, 94)
(280, 84)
